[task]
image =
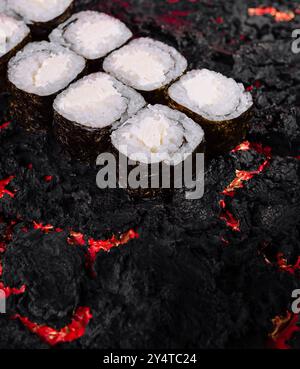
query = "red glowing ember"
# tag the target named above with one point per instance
(45, 228)
(107, 245)
(279, 16)
(48, 178)
(228, 217)
(9, 291)
(3, 184)
(71, 332)
(241, 177)
(4, 125)
(219, 20)
(284, 328)
(283, 265)
(76, 238)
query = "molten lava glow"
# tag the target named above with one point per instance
(3, 184)
(46, 228)
(95, 246)
(241, 177)
(82, 316)
(76, 238)
(48, 178)
(283, 265)
(4, 125)
(107, 245)
(284, 328)
(246, 145)
(219, 20)
(228, 217)
(278, 15)
(71, 332)
(9, 291)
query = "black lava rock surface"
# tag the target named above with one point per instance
(189, 280)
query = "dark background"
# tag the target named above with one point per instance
(189, 281)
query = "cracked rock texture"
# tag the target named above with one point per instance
(180, 285)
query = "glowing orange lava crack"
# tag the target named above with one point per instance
(71, 332)
(107, 245)
(3, 184)
(279, 16)
(4, 125)
(241, 177)
(283, 265)
(284, 328)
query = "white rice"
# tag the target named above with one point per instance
(98, 100)
(145, 64)
(38, 10)
(12, 33)
(158, 134)
(91, 34)
(211, 95)
(44, 68)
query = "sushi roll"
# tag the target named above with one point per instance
(159, 140)
(219, 104)
(14, 35)
(92, 35)
(41, 15)
(147, 65)
(85, 113)
(35, 76)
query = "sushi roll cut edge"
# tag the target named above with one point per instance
(83, 134)
(31, 109)
(139, 64)
(40, 30)
(222, 135)
(107, 33)
(179, 124)
(4, 59)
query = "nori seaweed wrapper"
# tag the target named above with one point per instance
(31, 111)
(221, 136)
(158, 96)
(82, 142)
(147, 193)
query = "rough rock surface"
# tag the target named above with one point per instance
(189, 280)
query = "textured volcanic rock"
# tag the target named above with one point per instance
(52, 271)
(189, 280)
(269, 204)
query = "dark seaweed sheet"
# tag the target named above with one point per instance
(179, 284)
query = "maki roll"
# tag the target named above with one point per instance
(85, 113)
(146, 65)
(14, 34)
(41, 15)
(158, 140)
(92, 35)
(219, 104)
(35, 76)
